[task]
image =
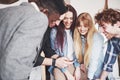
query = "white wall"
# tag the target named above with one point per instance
(93, 6)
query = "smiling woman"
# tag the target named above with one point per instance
(8, 1)
(86, 37)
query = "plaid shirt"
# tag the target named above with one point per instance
(113, 49)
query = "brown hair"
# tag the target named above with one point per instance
(57, 6)
(108, 16)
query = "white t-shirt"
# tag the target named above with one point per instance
(70, 45)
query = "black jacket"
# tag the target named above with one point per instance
(46, 48)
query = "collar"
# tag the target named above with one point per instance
(83, 37)
(35, 6)
(13, 4)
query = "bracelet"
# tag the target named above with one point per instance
(53, 62)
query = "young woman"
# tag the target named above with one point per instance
(88, 46)
(62, 43)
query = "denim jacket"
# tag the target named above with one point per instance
(58, 50)
(95, 65)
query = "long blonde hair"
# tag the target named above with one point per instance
(88, 22)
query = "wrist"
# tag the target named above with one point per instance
(53, 62)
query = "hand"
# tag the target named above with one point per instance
(62, 17)
(55, 56)
(82, 67)
(77, 73)
(63, 62)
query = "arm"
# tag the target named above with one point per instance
(60, 62)
(24, 41)
(96, 55)
(77, 73)
(104, 75)
(53, 34)
(109, 60)
(77, 70)
(47, 44)
(46, 47)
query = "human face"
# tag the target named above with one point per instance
(68, 19)
(52, 19)
(83, 30)
(104, 28)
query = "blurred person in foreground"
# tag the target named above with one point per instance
(21, 34)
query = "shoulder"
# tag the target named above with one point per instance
(98, 36)
(53, 33)
(54, 30)
(24, 11)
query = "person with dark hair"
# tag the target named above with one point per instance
(46, 45)
(109, 19)
(21, 34)
(62, 42)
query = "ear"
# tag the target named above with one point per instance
(117, 24)
(45, 11)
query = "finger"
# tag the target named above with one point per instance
(68, 63)
(64, 58)
(63, 66)
(67, 60)
(62, 16)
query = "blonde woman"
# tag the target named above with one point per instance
(88, 46)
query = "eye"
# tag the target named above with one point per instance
(71, 18)
(65, 18)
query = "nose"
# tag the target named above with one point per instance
(82, 28)
(101, 30)
(69, 20)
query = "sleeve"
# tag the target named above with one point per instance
(23, 44)
(110, 57)
(52, 39)
(47, 47)
(39, 61)
(97, 48)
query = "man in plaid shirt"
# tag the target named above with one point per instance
(109, 21)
